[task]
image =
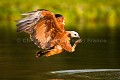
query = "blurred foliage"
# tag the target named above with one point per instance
(79, 14)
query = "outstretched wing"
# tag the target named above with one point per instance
(42, 27)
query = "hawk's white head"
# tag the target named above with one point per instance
(74, 34)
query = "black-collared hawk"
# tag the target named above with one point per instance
(46, 30)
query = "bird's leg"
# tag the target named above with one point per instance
(57, 49)
(51, 52)
(75, 44)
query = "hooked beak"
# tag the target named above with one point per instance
(78, 37)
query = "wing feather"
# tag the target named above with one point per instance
(42, 27)
(40, 35)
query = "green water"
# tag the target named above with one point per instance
(98, 50)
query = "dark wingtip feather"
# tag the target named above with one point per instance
(21, 27)
(19, 30)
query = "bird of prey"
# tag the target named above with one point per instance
(47, 31)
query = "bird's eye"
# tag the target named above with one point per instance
(75, 34)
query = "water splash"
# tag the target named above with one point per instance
(82, 71)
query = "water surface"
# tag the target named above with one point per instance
(96, 58)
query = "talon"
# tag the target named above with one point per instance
(78, 41)
(39, 53)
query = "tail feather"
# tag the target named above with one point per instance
(53, 51)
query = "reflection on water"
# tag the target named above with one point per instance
(98, 51)
(87, 74)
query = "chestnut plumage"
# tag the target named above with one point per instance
(47, 31)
